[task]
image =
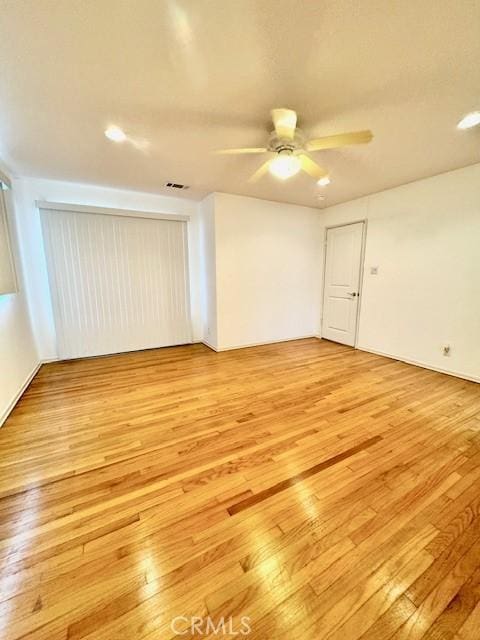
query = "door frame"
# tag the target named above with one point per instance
(364, 221)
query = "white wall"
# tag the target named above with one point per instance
(208, 270)
(425, 239)
(268, 271)
(18, 355)
(256, 270)
(28, 190)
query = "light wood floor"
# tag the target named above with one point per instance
(321, 491)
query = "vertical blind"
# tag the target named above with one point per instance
(117, 283)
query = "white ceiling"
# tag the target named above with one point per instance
(186, 77)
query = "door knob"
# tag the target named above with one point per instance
(354, 294)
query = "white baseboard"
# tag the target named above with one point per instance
(255, 344)
(210, 346)
(424, 365)
(19, 394)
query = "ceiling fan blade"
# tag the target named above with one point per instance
(259, 173)
(312, 168)
(238, 151)
(285, 122)
(340, 140)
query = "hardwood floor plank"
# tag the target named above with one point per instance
(290, 482)
(322, 491)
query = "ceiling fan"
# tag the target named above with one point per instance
(290, 147)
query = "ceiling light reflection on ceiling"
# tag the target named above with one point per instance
(181, 24)
(323, 182)
(284, 166)
(470, 120)
(115, 134)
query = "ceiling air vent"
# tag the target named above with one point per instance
(176, 185)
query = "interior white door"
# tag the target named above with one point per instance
(342, 283)
(117, 283)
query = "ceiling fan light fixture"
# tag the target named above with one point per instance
(115, 134)
(284, 166)
(291, 149)
(470, 120)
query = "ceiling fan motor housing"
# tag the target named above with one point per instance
(277, 144)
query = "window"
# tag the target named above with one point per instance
(8, 283)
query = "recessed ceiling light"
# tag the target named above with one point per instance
(323, 182)
(284, 166)
(115, 133)
(470, 120)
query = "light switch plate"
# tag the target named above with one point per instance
(373, 271)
